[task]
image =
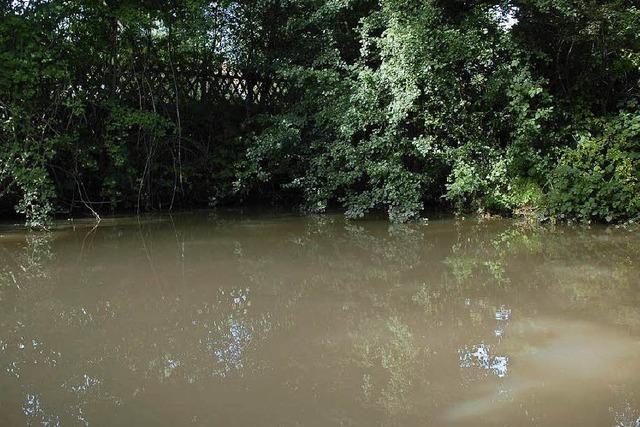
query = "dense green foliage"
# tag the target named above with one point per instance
(400, 105)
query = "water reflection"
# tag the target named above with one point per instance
(626, 416)
(319, 321)
(35, 414)
(480, 356)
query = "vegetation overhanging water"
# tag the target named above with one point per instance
(493, 106)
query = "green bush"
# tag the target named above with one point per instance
(390, 105)
(599, 179)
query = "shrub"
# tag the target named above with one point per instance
(599, 179)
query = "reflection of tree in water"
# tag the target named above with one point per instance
(36, 305)
(389, 359)
(625, 415)
(374, 301)
(26, 357)
(26, 260)
(486, 267)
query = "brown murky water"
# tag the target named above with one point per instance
(277, 320)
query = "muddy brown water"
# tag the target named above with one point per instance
(232, 319)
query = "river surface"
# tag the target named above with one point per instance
(233, 319)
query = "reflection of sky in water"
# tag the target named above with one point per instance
(230, 339)
(502, 316)
(170, 366)
(232, 346)
(85, 384)
(625, 415)
(503, 313)
(81, 389)
(32, 409)
(34, 351)
(479, 356)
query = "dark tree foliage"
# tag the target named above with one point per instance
(396, 105)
